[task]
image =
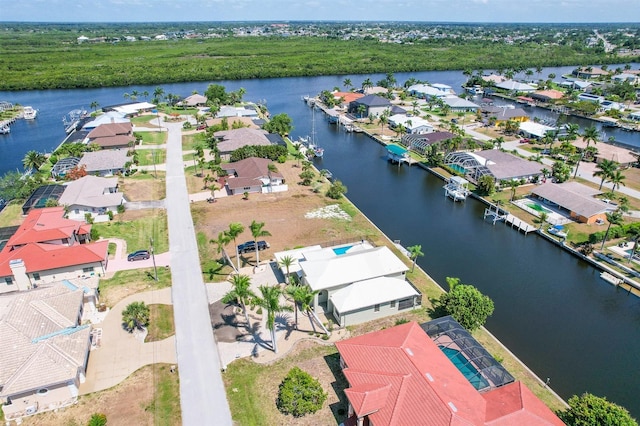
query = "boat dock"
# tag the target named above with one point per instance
(509, 219)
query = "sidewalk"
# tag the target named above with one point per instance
(121, 353)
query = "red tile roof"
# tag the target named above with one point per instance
(42, 225)
(348, 96)
(398, 376)
(111, 129)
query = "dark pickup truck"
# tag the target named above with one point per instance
(251, 246)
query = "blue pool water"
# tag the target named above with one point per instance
(465, 367)
(458, 169)
(341, 250)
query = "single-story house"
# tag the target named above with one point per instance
(504, 114)
(400, 376)
(494, 78)
(412, 125)
(420, 142)
(631, 78)
(515, 86)
(239, 111)
(457, 104)
(47, 247)
(373, 105)
(547, 95)
(112, 135)
(427, 91)
(38, 198)
(530, 129)
(130, 109)
(590, 98)
(635, 115)
(344, 98)
(106, 162)
(230, 140)
(589, 72)
(606, 151)
(44, 358)
(63, 165)
(356, 282)
(493, 162)
(193, 101)
(577, 199)
(93, 195)
(252, 175)
(106, 118)
(575, 84)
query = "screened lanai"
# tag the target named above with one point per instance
(468, 164)
(470, 357)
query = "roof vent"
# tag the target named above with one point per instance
(409, 351)
(429, 377)
(453, 407)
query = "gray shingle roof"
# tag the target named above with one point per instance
(574, 197)
(98, 161)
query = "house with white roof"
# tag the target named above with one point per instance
(457, 104)
(106, 118)
(93, 195)
(413, 125)
(428, 91)
(46, 360)
(515, 86)
(355, 282)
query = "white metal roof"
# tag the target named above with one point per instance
(364, 294)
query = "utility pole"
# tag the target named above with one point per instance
(153, 256)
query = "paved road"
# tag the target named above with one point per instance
(202, 395)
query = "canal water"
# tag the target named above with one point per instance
(551, 309)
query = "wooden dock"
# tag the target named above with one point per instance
(509, 219)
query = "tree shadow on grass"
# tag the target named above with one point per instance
(436, 310)
(338, 409)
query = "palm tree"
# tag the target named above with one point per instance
(347, 83)
(287, 261)
(235, 229)
(366, 84)
(605, 170)
(614, 218)
(542, 218)
(257, 231)
(303, 297)
(298, 155)
(617, 179)
(135, 315)
(240, 293)
(513, 184)
(590, 135)
(414, 253)
(634, 232)
(33, 160)
(158, 93)
(270, 302)
(94, 105)
(221, 242)
(572, 132)
(383, 120)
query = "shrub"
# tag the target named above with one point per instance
(121, 208)
(589, 409)
(300, 394)
(97, 419)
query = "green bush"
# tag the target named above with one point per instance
(300, 394)
(97, 419)
(589, 409)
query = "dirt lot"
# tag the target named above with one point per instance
(145, 187)
(283, 214)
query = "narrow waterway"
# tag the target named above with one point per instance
(552, 309)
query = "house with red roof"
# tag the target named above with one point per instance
(47, 247)
(253, 175)
(112, 135)
(399, 376)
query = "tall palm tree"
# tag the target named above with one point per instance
(33, 160)
(614, 218)
(617, 179)
(542, 219)
(302, 296)
(94, 105)
(270, 302)
(367, 84)
(347, 83)
(414, 253)
(240, 293)
(605, 170)
(383, 120)
(221, 242)
(589, 135)
(257, 231)
(287, 261)
(234, 231)
(634, 233)
(158, 93)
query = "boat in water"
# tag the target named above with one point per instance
(5, 130)
(72, 119)
(29, 113)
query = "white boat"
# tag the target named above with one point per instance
(72, 119)
(29, 113)
(5, 130)
(610, 278)
(558, 231)
(457, 188)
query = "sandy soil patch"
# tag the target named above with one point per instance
(144, 189)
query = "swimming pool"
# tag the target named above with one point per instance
(537, 207)
(341, 250)
(458, 168)
(465, 367)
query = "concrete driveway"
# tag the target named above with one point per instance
(120, 263)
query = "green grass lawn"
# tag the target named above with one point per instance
(189, 141)
(126, 283)
(145, 121)
(161, 323)
(147, 175)
(153, 138)
(146, 156)
(137, 233)
(11, 215)
(166, 402)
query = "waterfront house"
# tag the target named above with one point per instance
(44, 358)
(105, 163)
(628, 77)
(457, 104)
(112, 136)
(400, 376)
(373, 105)
(515, 86)
(494, 79)
(412, 125)
(192, 101)
(110, 117)
(237, 111)
(130, 109)
(38, 198)
(502, 166)
(344, 98)
(92, 195)
(47, 247)
(63, 165)
(531, 129)
(355, 282)
(589, 72)
(576, 199)
(252, 175)
(504, 114)
(547, 95)
(420, 142)
(230, 140)
(429, 91)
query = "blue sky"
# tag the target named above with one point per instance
(311, 10)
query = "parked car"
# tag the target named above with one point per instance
(251, 246)
(201, 127)
(138, 255)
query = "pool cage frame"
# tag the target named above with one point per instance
(474, 169)
(447, 332)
